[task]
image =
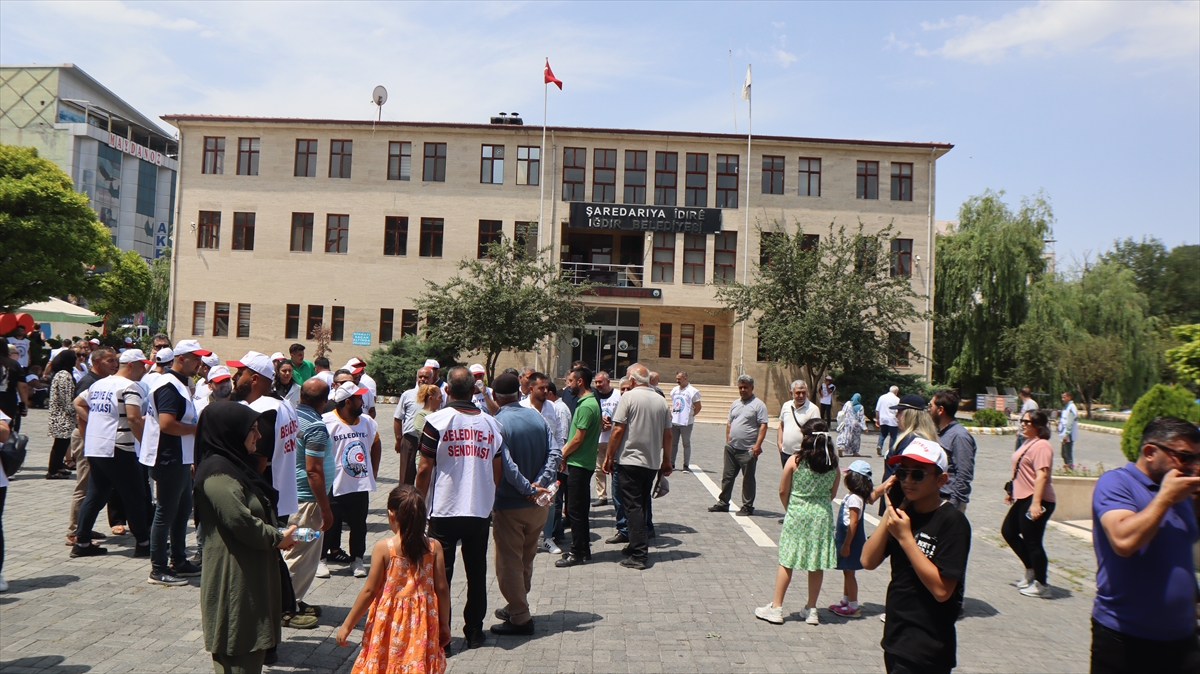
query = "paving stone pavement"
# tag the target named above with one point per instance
(692, 611)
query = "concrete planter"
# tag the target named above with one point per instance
(1074, 496)
(1097, 428)
(991, 430)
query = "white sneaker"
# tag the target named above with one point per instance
(1025, 582)
(322, 569)
(812, 618)
(357, 568)
(883, 617)
(769, 613)
(1036, 589)
(552, 547)
(3, 584)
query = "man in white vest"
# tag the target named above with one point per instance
(253, 386)
(355, 367)
(110, 445)
(355, 469)
(203, 389)
(168, 444)
(458, 470)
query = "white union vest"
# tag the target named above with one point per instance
(351, 453)
(283, 459)
(148, 454)
(104, 416)
(463, 485)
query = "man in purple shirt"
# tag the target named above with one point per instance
(1144, 526)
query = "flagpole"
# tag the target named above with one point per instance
(746, 245)
(542, 181)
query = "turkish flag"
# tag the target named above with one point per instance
(550, 78)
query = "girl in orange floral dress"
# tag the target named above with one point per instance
(408, 625)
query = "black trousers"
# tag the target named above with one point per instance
(472, 532)
(826, 411)
(637, 483)
(117, 514)
(1024, 535)
(579, 509)
(895, 665)
(1117, 653)
(120, 472)
(58, 452)
(3, 493)
(351, 510)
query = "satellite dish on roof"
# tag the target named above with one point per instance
(379, 96)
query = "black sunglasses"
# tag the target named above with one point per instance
(1186, 458)
(918, 474)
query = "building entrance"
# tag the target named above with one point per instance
(608, 341)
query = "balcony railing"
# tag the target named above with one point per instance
(620, 275)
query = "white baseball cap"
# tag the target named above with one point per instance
(218, 373)
(164, 356)
(478, 369)
(94, 342)
(210, 360)
(132, 355)
(923, 451)
(277, 356)
(129, 340)
(190, 346)
(257, 362)
(433, 363)
(354, 365)
(346, 390)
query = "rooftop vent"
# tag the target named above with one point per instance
(508, 118)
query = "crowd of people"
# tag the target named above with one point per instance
(271, 457)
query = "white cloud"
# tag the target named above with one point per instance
(114, 12)
(1144, 30)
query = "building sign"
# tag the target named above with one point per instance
(623, 291)
(140, 151)
(646, 218)
(361, 339)
(162, 239)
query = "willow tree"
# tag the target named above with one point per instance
(832, 305)
(984, 269)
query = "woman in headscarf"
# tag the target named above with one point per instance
(240, 590)
(852, 421)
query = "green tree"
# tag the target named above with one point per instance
(124, 288)
(832, 306)
(160, 290)
(507, 301)
(1159, 401)
(1170, 280)
(1185, 358)
(1091, 363)
(394, 366)
(1181, 285)
(983, 270)
(50, 234)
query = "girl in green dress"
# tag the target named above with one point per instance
(809, 483)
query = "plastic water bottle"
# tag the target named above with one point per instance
(545, 499)
(304, 534)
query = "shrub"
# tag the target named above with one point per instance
(1160, 401)
(990, 417)
(394, 367)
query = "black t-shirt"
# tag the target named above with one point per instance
(10, 377)
(167, 399)
(919, 628)
(85, 382)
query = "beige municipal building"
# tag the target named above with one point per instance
(289, 223)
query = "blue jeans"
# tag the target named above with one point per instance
(173, 506)
(884, 432)
(617, 497)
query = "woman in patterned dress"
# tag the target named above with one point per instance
(810, 481)
(62, 413)
(852, 421)
(408, 626)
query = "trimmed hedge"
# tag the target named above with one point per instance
(1160, 401)
(991, 418)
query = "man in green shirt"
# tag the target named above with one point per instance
(580, 457)
(302, 370)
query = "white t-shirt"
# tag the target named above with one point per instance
(563, 412)
(884, 414)
(6, 419)
(351, 453)
(22, 349)
(607, 407)
(283, 459)
(825, 391)
(325, 376)
(463, 484)
(368, 382)
(852, 502)
(479, 399)
(683, 401)
(550, 414)
(1029, 406)
(104, 399)
(792, 420)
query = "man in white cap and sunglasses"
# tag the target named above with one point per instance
(356, 455)
(357, 367)
(168, 443)
(484, 397)
(219, 385)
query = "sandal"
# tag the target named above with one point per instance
(60, 475)
(118, 530)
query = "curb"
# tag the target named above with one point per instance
(1095, 428)
(990, 430)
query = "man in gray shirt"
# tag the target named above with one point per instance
(959, 447)
(640, 442)
(402, 426)
(744, 436)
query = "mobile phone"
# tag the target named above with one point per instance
(895, 495)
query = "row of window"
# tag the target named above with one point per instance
(687, 341)
(315, 317)
(432, 236)
(574, 175)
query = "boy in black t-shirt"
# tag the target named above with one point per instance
(928, 540)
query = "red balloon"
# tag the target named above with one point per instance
(25, 320)
(8, 323)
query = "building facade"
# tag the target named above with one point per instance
(119, 158)
(288, 223)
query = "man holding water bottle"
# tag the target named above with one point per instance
(518, 517)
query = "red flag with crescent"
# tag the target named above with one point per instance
(550, 78)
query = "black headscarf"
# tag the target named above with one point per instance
(221, 448)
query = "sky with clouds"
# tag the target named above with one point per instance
(1097, 104)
